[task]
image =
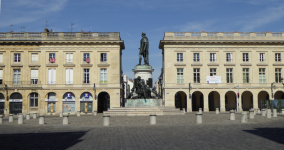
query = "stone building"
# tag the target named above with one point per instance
(51, 72)
(221, 70)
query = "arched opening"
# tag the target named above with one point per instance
(214, 100)
(230, 101)
(262, 95)
(68, 102)
(51, 102)
(180, 100)
(15, 103)
(197, 101)
(2, 104)
(103, 102)
(86, 102)
(247, 100)
(279, 95)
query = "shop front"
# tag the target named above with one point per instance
(15, 103)
(2, 104)
(51, 102)
(68, 102)
(86, 102)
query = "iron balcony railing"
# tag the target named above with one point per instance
(22, 84)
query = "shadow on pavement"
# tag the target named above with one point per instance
(55, 140)
(274, 134)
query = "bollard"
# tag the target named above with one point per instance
(28, 116)
(274, 113)
(95, 112)
(251, 114)
(244, 117)
(263, 112)
(232, 115)
(153, 119)
(198, 118)
(200, 110)
(60, 114)
(254, 111)
(41, 119)
(183, 110)
(78, 113)
(268, 113)
(65, 119)
(106, 120)
(20, 119)
(1, 119)
(282, 111)
(258, 111)
(34, 115)
(11, 118)
(217, 110)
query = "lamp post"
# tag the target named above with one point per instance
(238, 106)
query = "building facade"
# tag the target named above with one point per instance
(50, 72)
(221, 70)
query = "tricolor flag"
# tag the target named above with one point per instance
(86, 95)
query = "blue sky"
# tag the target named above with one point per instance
(154, 17)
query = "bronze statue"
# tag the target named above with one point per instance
(144, 49)
(140, 89)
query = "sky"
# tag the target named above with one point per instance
(132, 17)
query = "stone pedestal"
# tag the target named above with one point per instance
(153, 119)
(95, 112)
(20, 119)
(251, 114)
(1, 119)
(263, 112)
(143, 103)
(268, 113)
(200, 110)
(65, 119)
(198, 118)
(144, 71)
(232, 115)
(11, 118)
(106, 120)
(41, 119)
(28, 116)
(217, 110)
(274, 112)
(244, 117)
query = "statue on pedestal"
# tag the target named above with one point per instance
(144, 49)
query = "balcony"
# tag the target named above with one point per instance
(32, 84)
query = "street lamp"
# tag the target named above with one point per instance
(238, 97)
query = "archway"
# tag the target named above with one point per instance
(262, 95)
(230, 101)
(2, 104)
(279, 95)
(103, 102)
(51, 102)
(86, 102)
(214, 100)
(15, 103)
(180, 100)
(68, 102)
(247, 100)
(197, 101)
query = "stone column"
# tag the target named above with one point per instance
(11, 118)
(255, 101)
(189, 102)
(274, 113)
(65, 119)
(268, 113)
(217, 110)
(41, 119)
(106, 120)
(20, 119)
(153, 119)
(205, 102)
(28, 116)
(222, 102)
(198, 118)
(232, 115)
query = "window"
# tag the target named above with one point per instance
(1, 76)
(16, 76)
(51, 55)
(229, 57)
(278, 75)
(196, 75)
(69, 76)
(51, 76)
(213, 72)
(196, 57)
(86, 55)
(229, 73)
(213, 57)
(179, 56)
(277, 57)
(103, 57)
(261, 57)
(34, 76)
(86, 76)
(1, 57)
(103, 75)
(245, 57)
(34, 100)
(245, 75)
(69, 57)
(179, 75)
(262, 75)
(17, 57)
(34, 58)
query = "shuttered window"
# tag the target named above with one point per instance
(51, 76)
(34, 58)
(69, 76)
(34, 76)
(69, 57)
(1, 76)
(1, 57)
(103, 75)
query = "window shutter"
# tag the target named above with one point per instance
(67, 76)
(71, 76)
(71, 57)
(34, 57)
(1, 74)
(231, 57)
(53, 76)
(34, 74)
(263, 56)
(1, 58)
(49, 76)
(105, 75)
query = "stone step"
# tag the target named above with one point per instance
(130, 113)
(173, 113)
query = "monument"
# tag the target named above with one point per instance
(142, 94)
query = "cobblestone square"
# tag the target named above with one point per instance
(125, 132)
